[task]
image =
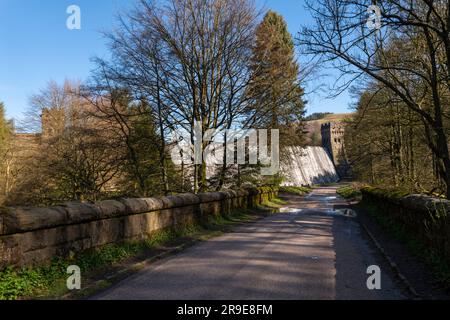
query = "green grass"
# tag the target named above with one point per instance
(271, 206)
(390, 193)
(329, 184)
(349, 192)
(44, 281)
(295, 190)
(278, 201)
(50, 281)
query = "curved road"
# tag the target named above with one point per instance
(309, 251)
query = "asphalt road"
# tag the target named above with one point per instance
(310, 251)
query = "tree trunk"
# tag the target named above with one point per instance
(443, 151)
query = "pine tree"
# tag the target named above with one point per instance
(5, 134)
(275, 91)
(5, 127)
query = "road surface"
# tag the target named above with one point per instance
(309, 251)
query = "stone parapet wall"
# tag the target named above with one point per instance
(425, 219)
(30, 236)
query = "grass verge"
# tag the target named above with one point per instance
(349, 192)
(295, 190)
(49, 281)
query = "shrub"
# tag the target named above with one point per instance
(349, 192)
(295, 190)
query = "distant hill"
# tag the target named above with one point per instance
(314, 137)
(317, 116)
(331, 117)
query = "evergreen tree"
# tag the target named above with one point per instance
(5, 134)
(5, 126)
(275, 90)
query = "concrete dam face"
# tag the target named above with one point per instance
(308, 166)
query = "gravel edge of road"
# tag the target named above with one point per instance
(397, 265)
(392, 264)
(102, 284)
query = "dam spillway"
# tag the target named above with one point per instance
(308, 166)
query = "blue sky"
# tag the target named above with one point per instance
(37, 47)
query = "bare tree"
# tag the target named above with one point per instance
(189, 59)
(131, 127)
(409, 54)
(71, 156)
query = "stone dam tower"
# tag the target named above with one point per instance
(333, 141)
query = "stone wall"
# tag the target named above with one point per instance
(30, 236)
(425, 219)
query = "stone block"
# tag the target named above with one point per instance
(38, 239)
(134, 226)
(183, 216)
(172, 202)
(154, 204)
(104, 232)
(425, 204)
(136, 206)
(80, 212)
(38, 257)
(189, 199)
(164, 219)
(110, 208)
(10, 253)
(23, 219)
(210, 197)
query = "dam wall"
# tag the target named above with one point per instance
(308, 166)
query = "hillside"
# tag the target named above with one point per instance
(314, 137)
